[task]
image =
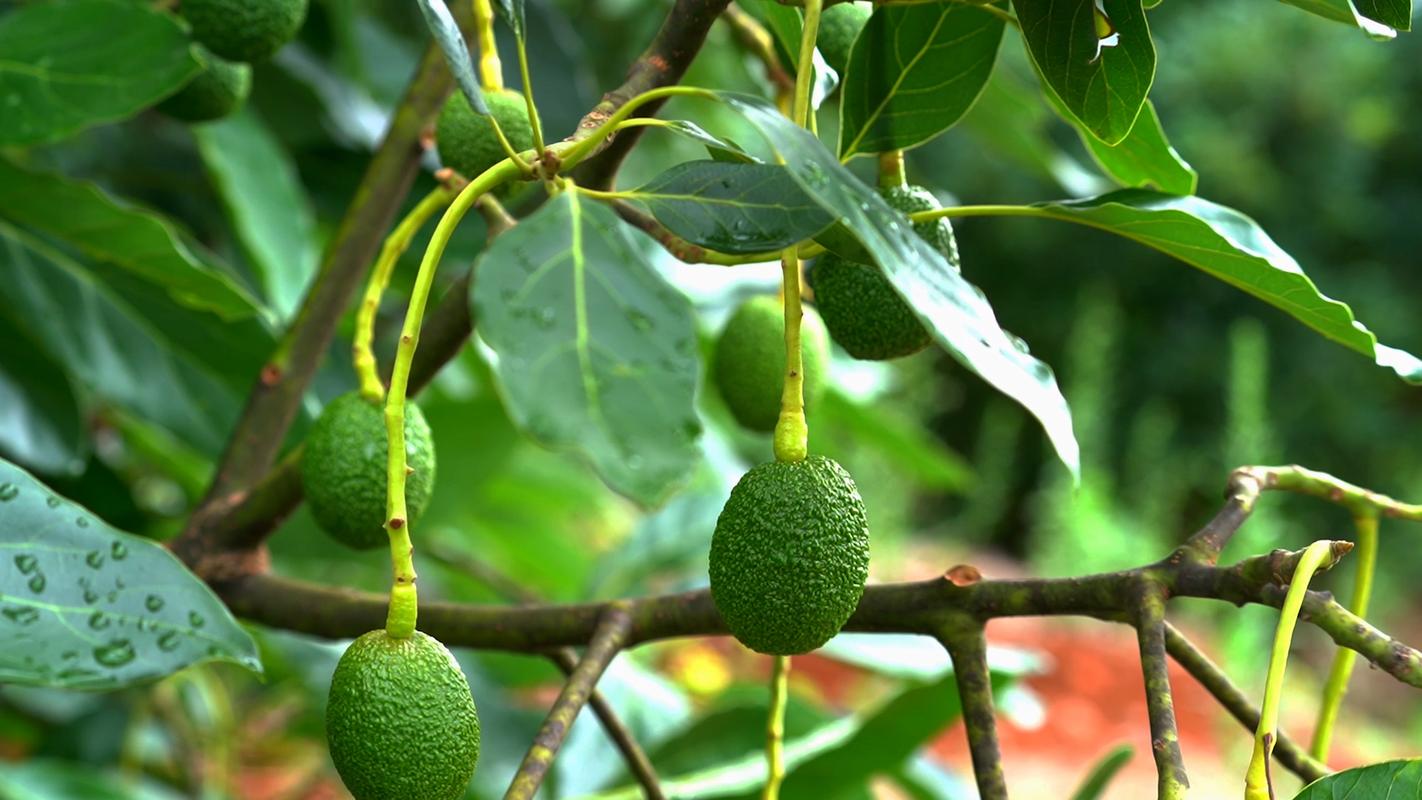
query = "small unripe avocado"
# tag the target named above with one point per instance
(862, 311)
(219, 90)
(840, 25)
(749, 363)
(400, 721)
(466, 139)
(343, 470)
(790, 555)
(244, 30)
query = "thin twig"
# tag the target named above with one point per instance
(606, 642)
(1286, 751)
(567, 660)
(1172, 783)
(964, 639)
(1366, 525)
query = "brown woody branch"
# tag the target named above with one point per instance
(1172, 783)
(966, 643)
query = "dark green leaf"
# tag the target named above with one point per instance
(447, 35)
(1103, 86)
(916, 69)
(1142, 160)
(1104, 771)
(81, 215)
(718, 148)
(266, 203)
(124, 346)
(1378, 18)
(597, 352)
(954, 310)
(84, 606)
(513, 13)
(733, 208)
(1232, 247)
(40, 424)
(67, 66)
(1388, 779)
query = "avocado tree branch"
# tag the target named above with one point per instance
(606, 642)
(963, 637)
(1172, 783)
(1286, 751)
(663, 63)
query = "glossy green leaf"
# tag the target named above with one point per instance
(1099, 777)
(955, 311)
(105, 228)
(733, 208)
(1232, 247)
(1380, 19)
(718, 148)
(1142, 160)
(1386, 780)
(597, 353)
(128, 347)
(1102, 85)
(40, 422)
(67, 66)
(916, 70)
(84, 606)
(450, 39)
(266, 203)
(513, 13)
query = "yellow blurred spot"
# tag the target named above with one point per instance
(702, 670)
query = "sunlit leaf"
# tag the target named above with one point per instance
(733, 208)
(1142, 160)
(1381, 19)
(67, 66)
(1388, 779)
(1099, 777)
(916, 70)
(84, 606)
(597, 353)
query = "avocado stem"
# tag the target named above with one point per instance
(367, 372)
(792, 434)
(491, 70)
(891, 169)
(775, 728)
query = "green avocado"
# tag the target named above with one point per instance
(790, 555)
(862, 311)
(748, 366)
(343, 470)
(466, 139)
(400, 721)
(840, 25)
(219, 90)
(244, 30)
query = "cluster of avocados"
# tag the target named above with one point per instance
(230, 35)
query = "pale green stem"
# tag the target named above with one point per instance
(804, 74)
(533, 121)
(891, 169)
(792, 434)
(400, 621)
(368, 373)
(587, 145)
(1367, 555)
(775, 728)
(1257, 780)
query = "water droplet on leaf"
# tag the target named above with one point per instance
(8, 492)
(99, 620)
(153, 603)
(26, 563)
(21, 615)
(37, 583)
(195, 619)
(115, 653)
(118, 550)
(94, 559)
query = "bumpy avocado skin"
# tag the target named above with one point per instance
(839, 26)
(244, 30)
(467, 143)
(861, 309)
(400, 720)
(790, 555)
(343, 469)
(748, 366)
(219, 90)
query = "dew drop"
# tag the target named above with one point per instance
(168, 642)
(26, 563)
(94, 559)
(115, 653)
(90, 596)
(99, 620)
(52, 502)
(8, 492)
(81, 522)
(118, 550)
(195, 619)
(153, 603)
(37, 583)
(639, 320)
(21, 615)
